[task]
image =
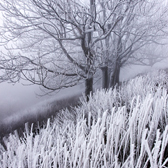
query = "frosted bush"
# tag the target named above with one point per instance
(143, 84)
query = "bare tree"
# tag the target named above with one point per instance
(48, 43)
(57, 43)
(52, 43)
(143, 24)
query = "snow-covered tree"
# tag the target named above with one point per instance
(143, 24)
(51, 42)
(57, 43)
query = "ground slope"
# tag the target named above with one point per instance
(125, 127)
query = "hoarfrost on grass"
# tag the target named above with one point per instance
(125, 127)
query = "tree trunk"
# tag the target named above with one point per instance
(88, 88)
(104, 77)
(114, 78)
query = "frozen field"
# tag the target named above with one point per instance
(125, 128)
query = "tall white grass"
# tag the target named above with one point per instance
(120, 128)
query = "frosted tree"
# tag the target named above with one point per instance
(143, 24)
(57, 43)
(52, 43)
(48, 42)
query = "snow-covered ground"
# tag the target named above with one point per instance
(125, 128)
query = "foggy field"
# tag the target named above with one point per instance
(18, 97)
(14, 99)
(125, 128)
(39, 112)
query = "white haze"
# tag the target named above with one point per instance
(15, 98)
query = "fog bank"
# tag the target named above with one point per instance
(17, 97)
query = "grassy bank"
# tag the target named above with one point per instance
(120, 128)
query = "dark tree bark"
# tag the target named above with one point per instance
(88, 88)
(114, 78)
(105, 80)
(85, 43)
